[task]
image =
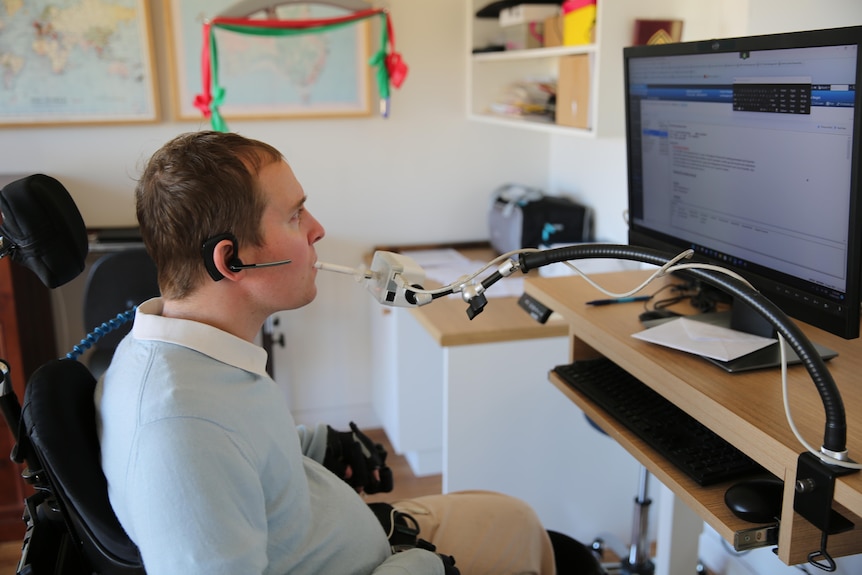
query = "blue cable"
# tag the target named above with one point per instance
(101, 331)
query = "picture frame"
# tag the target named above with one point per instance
(60, 66)
(312, 75)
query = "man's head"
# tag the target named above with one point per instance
(199, 185)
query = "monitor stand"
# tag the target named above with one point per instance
(751, 322)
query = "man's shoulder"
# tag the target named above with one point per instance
(167, 380)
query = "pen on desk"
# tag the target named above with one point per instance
(619, 300)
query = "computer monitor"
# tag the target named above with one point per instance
(746, 150)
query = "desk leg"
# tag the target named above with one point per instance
(677, 537)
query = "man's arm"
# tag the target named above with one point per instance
(313, 441)
(350, 455)
(413, 562)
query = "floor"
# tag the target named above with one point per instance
(407, 485)
(10, 553)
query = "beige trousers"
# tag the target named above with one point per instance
(487, 533)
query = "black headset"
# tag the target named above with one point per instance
(208, 252)
(234, 264)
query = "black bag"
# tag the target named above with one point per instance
(522, 217)
(401, 529)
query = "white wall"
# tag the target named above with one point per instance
(771, 16)
(422, 175)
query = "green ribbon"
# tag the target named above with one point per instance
(218, 93)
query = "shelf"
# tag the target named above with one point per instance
(488, 73)
(554, 52)
(530, 124)
(491, 74)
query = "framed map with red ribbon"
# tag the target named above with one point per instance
(293, 60)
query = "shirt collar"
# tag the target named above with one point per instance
(206, 339)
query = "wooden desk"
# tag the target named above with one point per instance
(745, 409)
(412, 353)
(470, 400)
(447, 322)
(503, 320)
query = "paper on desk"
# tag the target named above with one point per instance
(447, 265)
(433, 258)
(704, 339)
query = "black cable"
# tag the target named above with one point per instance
(681, 291)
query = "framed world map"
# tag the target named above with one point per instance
(303, 75)
(76, 62)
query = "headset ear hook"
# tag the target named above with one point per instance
(208, 253)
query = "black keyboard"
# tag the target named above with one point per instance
(681, 439)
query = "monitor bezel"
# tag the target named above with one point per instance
(845, 324)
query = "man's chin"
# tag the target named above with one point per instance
(311, 296)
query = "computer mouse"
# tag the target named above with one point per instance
(756, 500)
(654, 314)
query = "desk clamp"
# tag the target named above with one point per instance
(815, 488)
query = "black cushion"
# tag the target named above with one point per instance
(59, 416)
(42, 222)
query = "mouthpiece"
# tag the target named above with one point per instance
(357, 273)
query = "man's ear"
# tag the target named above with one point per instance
(220, 255)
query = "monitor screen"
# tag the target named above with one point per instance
(746, 150)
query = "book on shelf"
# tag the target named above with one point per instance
(657, 32)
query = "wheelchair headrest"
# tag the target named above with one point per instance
(42, 229)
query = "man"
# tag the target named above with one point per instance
(207, 471)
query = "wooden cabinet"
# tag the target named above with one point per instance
(26, 342)
(412, 348)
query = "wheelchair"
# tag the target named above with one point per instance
(71, 528)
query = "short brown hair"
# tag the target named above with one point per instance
(196, 186)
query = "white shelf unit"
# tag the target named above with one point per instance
(489, 73)
(493, 71)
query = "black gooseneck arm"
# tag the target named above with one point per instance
(835, 434)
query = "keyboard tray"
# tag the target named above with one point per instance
(696, 450)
